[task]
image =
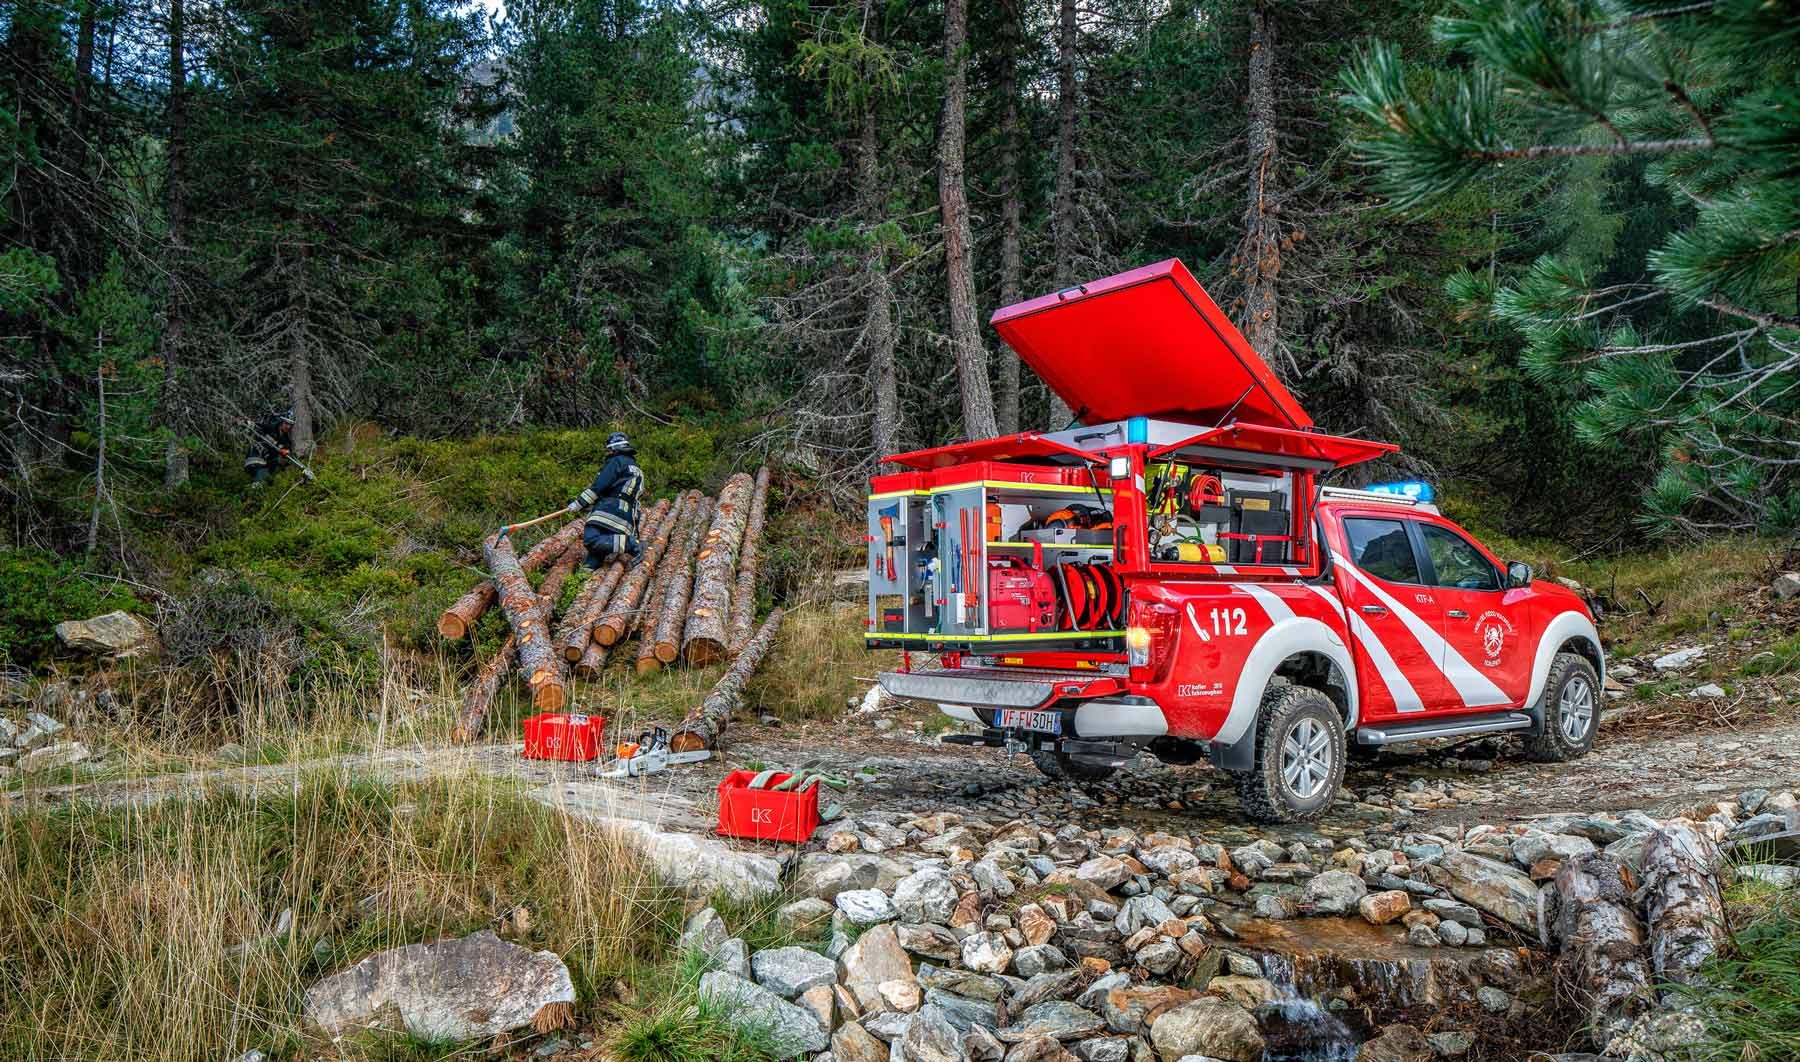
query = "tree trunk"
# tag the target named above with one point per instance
(1682, 905)
(593, 660)
(878, 316)
(460, 618)
(621, 612)
(93, 531)
(743, 599)
(577, 629)
(300, 390)
(478, 700)
(1063, 213)
(959, 268)
(715, 571)
(171, 415)
(550, 587)
(671, 617)
(1259, 252)
(706, 724)
(543, 668)
(1602, 961)
(646, 617)
(1006, 402)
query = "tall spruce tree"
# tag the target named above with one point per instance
(1700, 354)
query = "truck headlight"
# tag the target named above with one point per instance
(1137, 646)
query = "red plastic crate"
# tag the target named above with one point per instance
(563, 736)
(763, 815)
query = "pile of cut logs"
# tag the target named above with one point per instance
(690, 599)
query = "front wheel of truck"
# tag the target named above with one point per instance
(1300, 753)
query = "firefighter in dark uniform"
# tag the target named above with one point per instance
(612, 504)
(271, 439)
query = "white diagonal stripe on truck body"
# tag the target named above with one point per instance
(1475, 689)
(1406, 699)
(1277, 609)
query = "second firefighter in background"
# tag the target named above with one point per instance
(611, 502)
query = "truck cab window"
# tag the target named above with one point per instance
(1458, 563)
(1383, 549)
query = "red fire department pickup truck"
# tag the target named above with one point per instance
(1179, 574)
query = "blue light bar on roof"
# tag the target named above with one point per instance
(1416, 489)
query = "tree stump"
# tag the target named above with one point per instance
(621, 611)
(1603, 961)
(706, 724)
(715, 570)
(459, 618)
(743, 598)
(671, 616)
(537, 657)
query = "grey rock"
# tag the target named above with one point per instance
(980, 1045)
(50, 757)
(459, 989)
(990, 879)
(1423, 936)
(933, 942)
(1454, 934)
(1451, 1044)
(1451, 910)
(1208, 1026)
(1139, 912)
(1057, 1019)
(1494, 887)
(888, 1025)
(1786, 585)
(1774, 874)
(1103, 1049)
(961, 1011)
(1397, 1043)
(1057, 985)
(1678, 659)
(1492, 999)
(787, 972)
(116, 634)
(733, 957)
(986, 953)
(926, 896)
(1039, 958)
(1535, 846)
(701, 866)
(1159, 956)
(1334, 892)
(1093, 998)
(962, 983)
(824, 875)
(44, 724)
(1105, 871)
(853, 1043)
(790, 1028)
(1168, 860)
(866, 907)
(1273, 907)
(807, 915)
(703, 932)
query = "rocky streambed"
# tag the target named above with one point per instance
(955, 937)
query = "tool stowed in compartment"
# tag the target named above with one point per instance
(888, 516)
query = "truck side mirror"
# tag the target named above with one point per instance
(1518, 575)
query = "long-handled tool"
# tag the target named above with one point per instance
(286, 454)
(888, 516)
(510, 528)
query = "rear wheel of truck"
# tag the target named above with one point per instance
(1056, 764)
(1300, 753)
(1571, 711)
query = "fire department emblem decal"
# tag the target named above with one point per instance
(1493, 629)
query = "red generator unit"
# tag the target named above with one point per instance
(766, 814)
(564, 736)
(1020, 597)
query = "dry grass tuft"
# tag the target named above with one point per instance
(191, 928)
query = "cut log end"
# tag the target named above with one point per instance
(687, 742)
(608, 634)
(667, 652)
(647, 665)
(549, 697)
(451, 626)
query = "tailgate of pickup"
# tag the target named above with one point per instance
(997, 688)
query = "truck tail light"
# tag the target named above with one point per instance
(1149, 639)
(1137, 646)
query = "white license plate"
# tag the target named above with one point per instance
(1014, 719)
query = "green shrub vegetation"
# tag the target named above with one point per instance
(39, 590)
(1752, 1000)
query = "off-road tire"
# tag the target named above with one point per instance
(1287, 709)
(1059, 765)
(1569, 673)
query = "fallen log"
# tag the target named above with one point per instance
(593, 659)
(543, 669)
(743, 597)
(550, 588)
(577, 628)
(715, 570)
(1682, 906)
(706, 724)
(478, 700)
(1603, 962)
(621, 611)
(671, 615)
(458, 619)
(645, 618)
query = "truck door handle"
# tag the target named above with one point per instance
(1457, 613)
(1374, 610)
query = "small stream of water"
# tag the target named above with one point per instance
(1300, 1029)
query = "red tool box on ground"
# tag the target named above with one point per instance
(765, 814)
(563, 736)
